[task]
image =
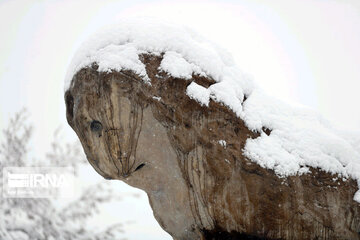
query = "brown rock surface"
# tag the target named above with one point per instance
(158, 139)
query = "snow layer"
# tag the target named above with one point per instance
(299, 137)
(177, 66)
(198, 93)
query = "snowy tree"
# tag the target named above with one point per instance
(40, 218)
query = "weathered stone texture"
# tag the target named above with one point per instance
(158, 139)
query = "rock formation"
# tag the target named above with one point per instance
(189, 159)
(157, 106)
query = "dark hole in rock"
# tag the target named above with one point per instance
(139, 167)
(95, 126)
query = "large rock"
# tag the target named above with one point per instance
(189, 159)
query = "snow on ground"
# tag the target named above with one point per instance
(299, 137)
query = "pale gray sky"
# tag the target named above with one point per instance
(306, 51)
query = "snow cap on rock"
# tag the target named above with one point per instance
(299, 137)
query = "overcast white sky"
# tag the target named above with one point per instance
(301, 51)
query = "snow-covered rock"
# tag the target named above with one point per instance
(216, 153)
